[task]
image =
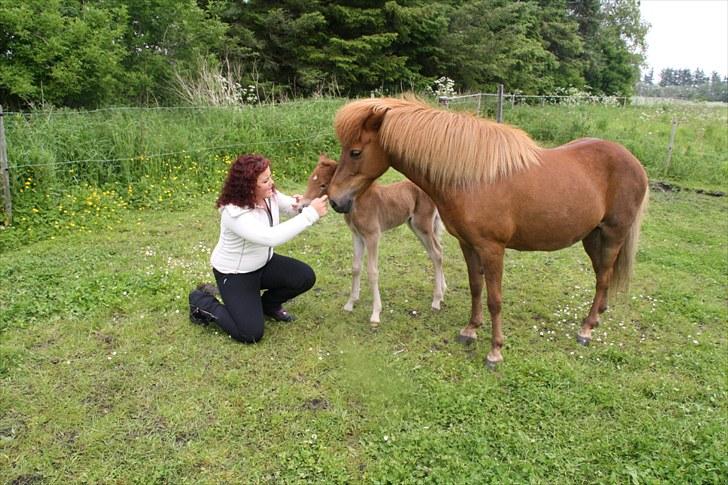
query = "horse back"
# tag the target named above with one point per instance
(575, 188)
(611, 168)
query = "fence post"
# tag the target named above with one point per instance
(6, 175)
(480, 97)
(499, 112)
(669, 146)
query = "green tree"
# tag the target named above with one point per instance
(162, 36)
(60, 52)
(347, 47)
(498, 41)
(614, 40)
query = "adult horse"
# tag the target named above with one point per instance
(495, 188)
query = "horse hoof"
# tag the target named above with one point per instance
(465, 340)
(583, 340)
(491, 364)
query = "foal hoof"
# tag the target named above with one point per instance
(491, 364)
(582, 340)
(465, 340)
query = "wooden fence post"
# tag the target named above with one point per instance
(6, 175)
(669, 146)
(499, 112)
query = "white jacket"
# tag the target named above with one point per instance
(248, 236)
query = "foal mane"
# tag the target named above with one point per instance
(452, 148)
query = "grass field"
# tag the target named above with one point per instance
(105, 380)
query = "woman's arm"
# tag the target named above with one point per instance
(249, 227)
(287, 204)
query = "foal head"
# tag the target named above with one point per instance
(318, 181)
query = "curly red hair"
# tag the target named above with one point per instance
(239, 186)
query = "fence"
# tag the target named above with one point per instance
(516, 98)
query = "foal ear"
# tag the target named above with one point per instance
(325, 160)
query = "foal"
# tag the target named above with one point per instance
(378, 209)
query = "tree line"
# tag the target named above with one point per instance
(685, 84)
(87, 54)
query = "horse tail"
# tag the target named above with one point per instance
(625, 259)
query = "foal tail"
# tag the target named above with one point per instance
(437, 225)
(625, 260)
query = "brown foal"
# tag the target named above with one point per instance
(378, 209)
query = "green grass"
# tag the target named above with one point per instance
(104, 379)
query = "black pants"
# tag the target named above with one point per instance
(241, 316)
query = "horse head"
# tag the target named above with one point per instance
(362, 158)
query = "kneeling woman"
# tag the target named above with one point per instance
(243, 261)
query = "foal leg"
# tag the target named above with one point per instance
(468, 333)
(372, 244)
(425, 231)
(603, 246)
(355, 272)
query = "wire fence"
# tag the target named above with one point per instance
(501, 99)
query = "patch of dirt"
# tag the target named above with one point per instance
(316, 404)
(669, 187)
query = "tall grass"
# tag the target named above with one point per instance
(81, 170)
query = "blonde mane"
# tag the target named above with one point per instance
(452, 148)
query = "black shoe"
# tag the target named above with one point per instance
(280, 315)
(200, 316)
(197, 314)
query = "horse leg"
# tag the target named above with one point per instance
(468, 333)
(355, 272)
(491, 256)
(603, 246)
(427, 234)
(372, 244)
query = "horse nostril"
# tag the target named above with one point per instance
(342, 207)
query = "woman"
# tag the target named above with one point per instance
(243, 261)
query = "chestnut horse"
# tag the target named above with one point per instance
(378, 209)
(495, 188)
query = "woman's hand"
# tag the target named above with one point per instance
(321, 205)
(296, 206)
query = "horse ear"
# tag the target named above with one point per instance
(323, 157)
(374, 121)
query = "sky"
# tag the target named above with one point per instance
(687, 34)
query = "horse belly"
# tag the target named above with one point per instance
(548, 228)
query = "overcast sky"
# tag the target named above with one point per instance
(687, 34)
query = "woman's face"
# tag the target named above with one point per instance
(264, 186)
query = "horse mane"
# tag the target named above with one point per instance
(452, 148)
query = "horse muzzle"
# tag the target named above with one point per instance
(342, 207)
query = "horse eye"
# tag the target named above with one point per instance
(355, 153)
(323, 186)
